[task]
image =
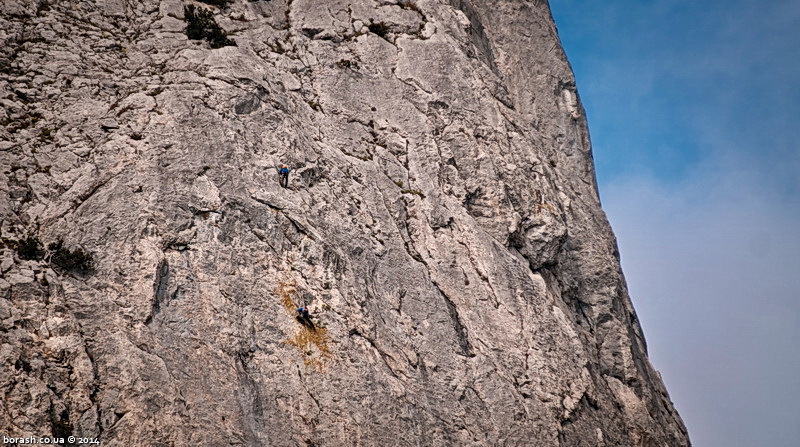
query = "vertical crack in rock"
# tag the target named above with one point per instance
(462, 337)
(480, 43)
(159, 290)
(249, 396)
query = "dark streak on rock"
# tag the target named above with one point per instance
(461, 331)
(159, 289)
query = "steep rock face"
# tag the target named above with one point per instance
(441, 221)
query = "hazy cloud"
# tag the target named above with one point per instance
(713, 267)
(694, 110)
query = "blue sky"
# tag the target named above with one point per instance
(694, 113)
(664, 81)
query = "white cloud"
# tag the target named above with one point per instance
(713, 266)
(694, 108)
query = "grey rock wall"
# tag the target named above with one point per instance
(441, 221)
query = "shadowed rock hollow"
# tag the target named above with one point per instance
(441, 221)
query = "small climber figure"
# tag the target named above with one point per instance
(283, 174)
(304, 317)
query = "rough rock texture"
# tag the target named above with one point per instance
(441, 221)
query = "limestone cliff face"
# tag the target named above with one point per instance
(441, 221)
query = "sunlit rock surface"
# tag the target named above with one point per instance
(441, 221)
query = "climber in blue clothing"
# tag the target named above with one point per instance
(283, 174)
(304, 317)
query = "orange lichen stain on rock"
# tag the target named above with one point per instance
(313, 344)
(286, 290)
